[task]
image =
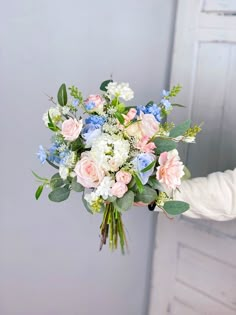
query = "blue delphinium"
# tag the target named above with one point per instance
(90, 105)
(53, 153)
(95, 120)
(150, 109)
(89, 133)
(166, 103)
(165, 93)
(42, 155)
(140, 162)
(75, 102)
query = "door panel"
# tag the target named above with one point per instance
(194, 265)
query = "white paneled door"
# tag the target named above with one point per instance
(194, 266)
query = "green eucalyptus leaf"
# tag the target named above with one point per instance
(56, 181)
(111, 199)
(103, 86)
(39, 192)
(125, 202)
(164, 145)
(180, 129)
(147, 195)
(187, 174)
(86, 205)
(76, 186)
(62, 95)
(175, 207)
(155, 184)
(59, 194)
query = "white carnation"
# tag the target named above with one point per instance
(120, 90)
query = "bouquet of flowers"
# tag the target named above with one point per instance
(116, 155)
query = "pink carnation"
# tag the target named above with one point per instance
(89, 174)
(170, 170)
(123, 177)
(119, 189)
(144, 146)
(71, 129)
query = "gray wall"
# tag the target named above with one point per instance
(49, 259)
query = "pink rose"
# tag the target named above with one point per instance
(149, 125)
(94, 103)
(134, 130)
(123, 177)
(171, 169)
(144, 146)
(131, 113)
(119, 189)
(89, 174)
(71, 129)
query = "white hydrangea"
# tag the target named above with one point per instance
(54, 113)
(103, 190)
(110, 152)
(121, 90)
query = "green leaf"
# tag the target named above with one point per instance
(86, 205)
(138, 182)
(178, 105)
(180, 129)
(38, 192)
(77, 145)
(150, 103)
(147, 168)
(175, 207)
(51, 125)
(147, 196)
(62, 95)
(119, 117)
(164, 145)
(155, 184)
(59, 194)
(103, 86)
(76, 186)
(56, 181)
(187, 174)
(125, 202)
(38, 177)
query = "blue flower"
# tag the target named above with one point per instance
(150, 109)
(42, 155)
(89, 133)
(90, 105)
(95, 120)
(140, 162)
(53, 153)
(165, 93)
(75, 102)
(166, 103)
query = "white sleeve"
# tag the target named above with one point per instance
(212, 197)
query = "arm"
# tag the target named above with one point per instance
(212, 197)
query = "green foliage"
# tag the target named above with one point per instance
(147, 168)
(56, 181)
(86, 205)
(121, 107)
(180, 129)
(103, 86)
(74, 92)
(138, 182)
(164, 145)
(193, 131)
(124, 203)
(62, 95)
(43, 179)
(76, 186)
(77, 145)
(59, 194)
(39, 192)
(175, 207)
(177, 105)
(51, 125)
(155, 184)
(187, 174)
(174, 91)
(147, 195)
(119, 117)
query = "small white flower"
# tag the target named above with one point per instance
(91, 198)
(54, 113)
(120, 90)
(65, 110)
(104, 189)
(63, 171)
